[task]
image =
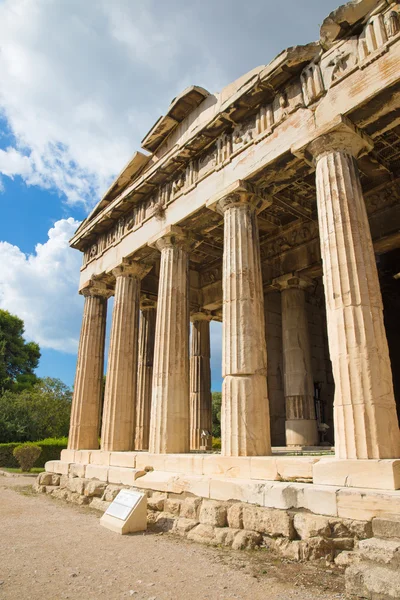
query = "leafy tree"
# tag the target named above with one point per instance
(216, 414)
(37, 413)
(18, 358)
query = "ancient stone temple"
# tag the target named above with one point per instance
(272, 206)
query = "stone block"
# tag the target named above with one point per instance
(97, 472)
(183, 526)
(157, 501)
(63, 481)
(309, 525)
(292, 468)
(318, 547)
(188, 464)
(385, 527)
(76, 485)
(124, 475)
(60, 467)
(235, 516)
(94, 488)
(60, 493)
(39, 489)
(83, 456)
(67, 456)
(293, 550)
(45, 479)
(223, 536)
(145, 460)
(190, 508)
(213, 513)
(243, 490)
(193, 484)
(77, 470)
(123, 459)
(111, 492)
(172, 506)
(365, 504)
(319, 499)
(375, 582)
(164, 522)
(372, 474)
(99, 457)
(55, 479)
(160, 481)
(269, 521)
(282, 495)
(246, 540)
(226, 466)
(382, 551)
(345, 558)
(98, 504)
(263, 468)
(204, 534)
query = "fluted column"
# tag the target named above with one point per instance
(169, 422)
(245, 410)
(301, 423)
(120, 393)
(145, 373)
(200, 382)
(366, 423)
(86, 402)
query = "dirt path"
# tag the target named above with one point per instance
(53, 550)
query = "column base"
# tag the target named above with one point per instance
(371, 473)
(301, 432)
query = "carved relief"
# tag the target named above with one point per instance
(392, 23)
(384, 198)
(301, 234)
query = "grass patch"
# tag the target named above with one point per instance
(14, 470)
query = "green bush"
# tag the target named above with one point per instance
(51, 450)
(27, 455)
(216, 443)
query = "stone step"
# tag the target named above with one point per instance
(377, 550)
(386, 527)
(372, 581)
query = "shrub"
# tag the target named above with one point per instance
(27, 455)
(51, 450)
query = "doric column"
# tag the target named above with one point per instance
(366, 423)
(169, 422)
(245, 410)
(86, 403)
(147, 329)
(300, 424)
(120, 393)
(200, 382)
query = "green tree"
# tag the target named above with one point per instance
(18, 358)
(37, 413)
(216, 414)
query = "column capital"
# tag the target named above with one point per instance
(171, 237)
(292, 280)
(96, 287)
(340, 134)
(132, 268)
(147, 303)
(201, 315)
(239, 193)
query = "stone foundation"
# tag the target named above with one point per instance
(293, 533)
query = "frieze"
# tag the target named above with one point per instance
(296, 236)
(384, 198)
(314, 81)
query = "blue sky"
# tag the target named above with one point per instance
(80, 87)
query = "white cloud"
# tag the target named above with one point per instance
(82, 82)
(41, 288)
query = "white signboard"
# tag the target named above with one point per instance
(124, 504)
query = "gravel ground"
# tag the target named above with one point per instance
(54, 550)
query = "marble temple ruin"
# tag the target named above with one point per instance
(273, 207)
